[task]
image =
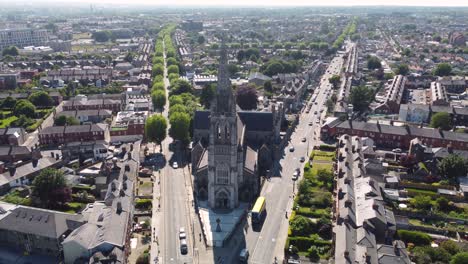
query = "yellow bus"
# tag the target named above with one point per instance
(259, 210)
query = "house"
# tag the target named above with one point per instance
(23, 173)
(12, 136)
(395, 136)
(292, 93)
(363, 228)
(129, 122)
(86, 103)
(258, 79)
(64, 134)
(34, 230)
(96, 150)
(93, 116)
(393, 96)
(438, 94)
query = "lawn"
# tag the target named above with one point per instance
(322, 155)
(414, 192)
(7, 121)
(74, 207)
(320, 166)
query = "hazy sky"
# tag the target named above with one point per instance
(277, 2)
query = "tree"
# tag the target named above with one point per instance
(102, 36)
(24, 107)
(274, 68)
(240, 56)
(300, 226)
(335, 81)
(207, 94)
(181, 86)
(200, 39)
(66, 120)
(173, 69)
(41, 98)
(50, 188)
(246, 97)
(129, 57)
(267, 86)
(421, 202)
(9, 103)
(460, 258)
(402, 69)
(158, 69)
(373, 63)
(313, 253)
(361, 97)
(171, 61)
(155, 128)
(443, 69)
(427, 254)
(450, 246)
(10, 51)
(232, 69)
(452, 167)
(180, 123)
(158, 86)
(159, 98)
(144, 258)
(415, 237)
(441, 120)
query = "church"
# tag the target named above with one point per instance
(231, 147)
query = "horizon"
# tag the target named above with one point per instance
(253, 3)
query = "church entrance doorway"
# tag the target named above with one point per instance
(222, 200)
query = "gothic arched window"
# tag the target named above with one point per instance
(222, 174)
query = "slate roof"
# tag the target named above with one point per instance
(37, 221)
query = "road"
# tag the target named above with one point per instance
(173, 199)
(269, 242)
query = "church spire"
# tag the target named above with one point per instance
(224, 97)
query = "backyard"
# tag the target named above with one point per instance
(310, 229)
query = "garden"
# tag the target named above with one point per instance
(310, 230)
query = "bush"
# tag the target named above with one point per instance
(304, 243)
(327, 147)
(144, 204)
(415, 237)
(143, 259)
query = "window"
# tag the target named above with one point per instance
(222, 174)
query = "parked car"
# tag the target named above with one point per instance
(303, 139)
(183, 247)
(175, 165)
(302, 159)
(244, 255)
(182, 234)
(291, 149)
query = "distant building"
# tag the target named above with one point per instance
(393, 96)
(129, 122)
(84, 116)
(391, 136)
(54, 135)
(190, 25)
(258, 78)
(86, 103)
(9, 81)
(12, 136)
(457, 39)
(438, 94)
(23, 37)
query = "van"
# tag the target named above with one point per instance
(183, 247)
(244, 255)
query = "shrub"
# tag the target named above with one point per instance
(327, 147)
(415, 237)
(143, 203)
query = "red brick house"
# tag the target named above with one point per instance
(395, 136)
(64, 134)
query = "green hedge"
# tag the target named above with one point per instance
(304, 243)
(415, 237)
(327, 147)
(143, 203)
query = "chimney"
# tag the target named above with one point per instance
(375, 207)
(348, 203)
(449, 148)
(129, 154)
(119, 207)
(12, 170)
(113, 187)
(124, 185)
(34, 162)
(2, 167)
(131, 147)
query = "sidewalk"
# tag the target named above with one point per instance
(156, 218)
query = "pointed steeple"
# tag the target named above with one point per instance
(224, 99)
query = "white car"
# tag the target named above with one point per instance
(175, 165)
(182, 234)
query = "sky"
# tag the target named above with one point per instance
(267, 3)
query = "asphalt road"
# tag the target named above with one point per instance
(174, 206)
(269, 242)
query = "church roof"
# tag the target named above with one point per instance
(253, 120)
(250, 159)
